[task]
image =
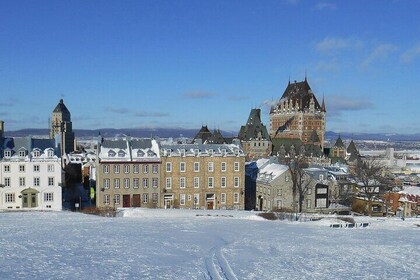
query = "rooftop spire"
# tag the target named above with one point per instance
(323, 104)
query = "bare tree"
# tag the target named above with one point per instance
(369, 176)
(300, 179)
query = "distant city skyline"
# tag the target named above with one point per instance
(187, 63)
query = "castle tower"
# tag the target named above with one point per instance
(298, 115)
(61, 126)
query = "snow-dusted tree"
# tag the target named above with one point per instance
(369, 176)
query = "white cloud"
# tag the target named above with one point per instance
(381, 52)
(199, 95)
(330, 44)
(325, 6)
(411, 54)
(335, 105)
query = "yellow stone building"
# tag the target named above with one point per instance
(202, 176)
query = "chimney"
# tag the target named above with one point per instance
(1, 131)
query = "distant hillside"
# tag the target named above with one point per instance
(113, 132)
(330, 135)
(176, 132)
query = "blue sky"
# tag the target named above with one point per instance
(127, 64)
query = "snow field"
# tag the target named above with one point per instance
(198, 244)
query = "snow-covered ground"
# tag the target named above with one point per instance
(188, 244)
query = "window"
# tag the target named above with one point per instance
(50, 153)
(116, 198)
(236, 182)
(196, 182)
(145, 198)
(189, 197)
(36, 168)
(309, 191)
(106, 199)
(136, 168)
(196, 200)
(155, 168)
(36, 181)
(223, 182)
(106, 183)
(155, 182)
(121, 154)
(236, 197)
(49, 196)
(155, 197)
(279, 192)
(126, 168)
(236, 166)
(126, 183)
(321, 177)
(111, 153)
(116, 168)
(182, 183)
(50, 167)
(182, 199)
(286, 178)
(7, 154)
(210, 166)
(9, 197)
(21, 168)
(145, 183)
(210, 182)
(269, 191)
(223, 167)
(37, 153)
(168, 184)
(7, 182)
(22, 153)
(223, 198)
(168, 167)
(279, 204)
(21, 181)
(321, 203)
(136, 183)
(50, 181)
(182, 167)
(116, 183)
(321, 190)
(308, 204)
(7, 168)
(106, 168)
(145, 168)
(196, 167)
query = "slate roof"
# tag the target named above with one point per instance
(351, 149)
(310, 149)
(61, 108)
(315, 137)
(216, 138)
(203, 134)
(301, 93)
(253, 127)
(28, 143)
(339, 143)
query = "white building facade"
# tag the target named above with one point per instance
(30, 175)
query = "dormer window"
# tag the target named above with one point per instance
(37, 153)
(121, 153)
(150, 153)
(111, 153)
(7, 154)
(22, 153)
(50, 153)
(140, 153)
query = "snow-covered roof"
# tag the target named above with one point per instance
(271, 171)
(411, 190)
